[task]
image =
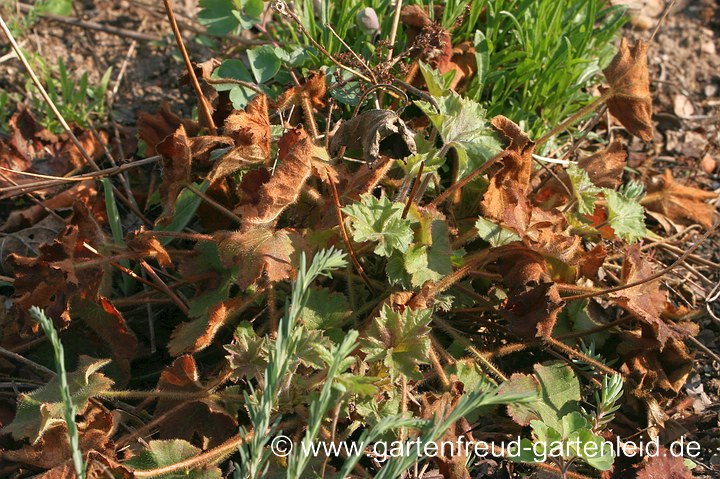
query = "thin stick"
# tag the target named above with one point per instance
(27, 362)
(362, 62)
(59, 180)
(204, 107)
(652, 277)
(178, 302)
(474, 174)
(394, 28)
(214, 204)
(583, 357)
(121, 32)
(415, 187)
(661, 20)
(575, 117)
(341, 223)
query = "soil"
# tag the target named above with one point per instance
(685, 79)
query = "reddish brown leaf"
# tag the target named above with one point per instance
(176, 163)
(665, 466)
(147, 246)
(645, 301)
(250, 130)
(451, 463)
(153, 129)
(429, 41)
(296, 151)
(605, 167)
(107, 322)
(314, 90)
(199, 419)
(257, 251)
(682, 204)
(50, 280)
(630, 100)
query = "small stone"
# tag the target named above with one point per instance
(710, 90)
(708, 164)
(682, 106)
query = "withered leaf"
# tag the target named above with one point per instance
(667, 369)
(110, 326)
(257, 251)
(645, 301)
(154, 128)
(147, 246)
(50, 280)
(202, 419)
(296, 152)
(313, 90)
(605, 167)
(250, 130)
(682, 204)
(630, 100)
(429, 41)
(665, 465)
(176, 163)
(375, 132)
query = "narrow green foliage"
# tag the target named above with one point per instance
(399, 340)
(254, 455)
(606, 401)
(380, 221)
(68, 405)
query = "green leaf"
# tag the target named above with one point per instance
(380, 221)
(264, 63)
(186, 205)
(399, 340)
(625, 216)
(325, 310)
(217, 16)
(461, 123)
(482, 58)
(438, 84)
(42, 408)
(584, 190)
(593, 449)
(494, 234)
(360, 385)
(573, 422)
(166, 453)
(248, 352)
(430, 260)
(55, 7)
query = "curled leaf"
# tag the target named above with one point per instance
(630, 100)
(682, 204)
(375, 132)
(176, 164)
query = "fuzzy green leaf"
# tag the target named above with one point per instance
(380, 221)
(399, 340)
(625, 216)
(461, 123)
(325, 310)
(494, 234)
(264, 63)
(42, 408)
(430, 260)
(584, 190)
(248, 352)
(166, 453)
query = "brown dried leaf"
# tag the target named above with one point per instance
(533, 299)
(375, 132)
(665, 466)
(682, 204)
(197, 419)
(154, 128)
(630, 100)
(147, 246)
(429, 41)
(50, 280)
(198, 334)
(250, 130)
(296, 151)
(257, 251)
(605, 167)
(645, 301)
(314, 90)
(107, 322)
(176, 163)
